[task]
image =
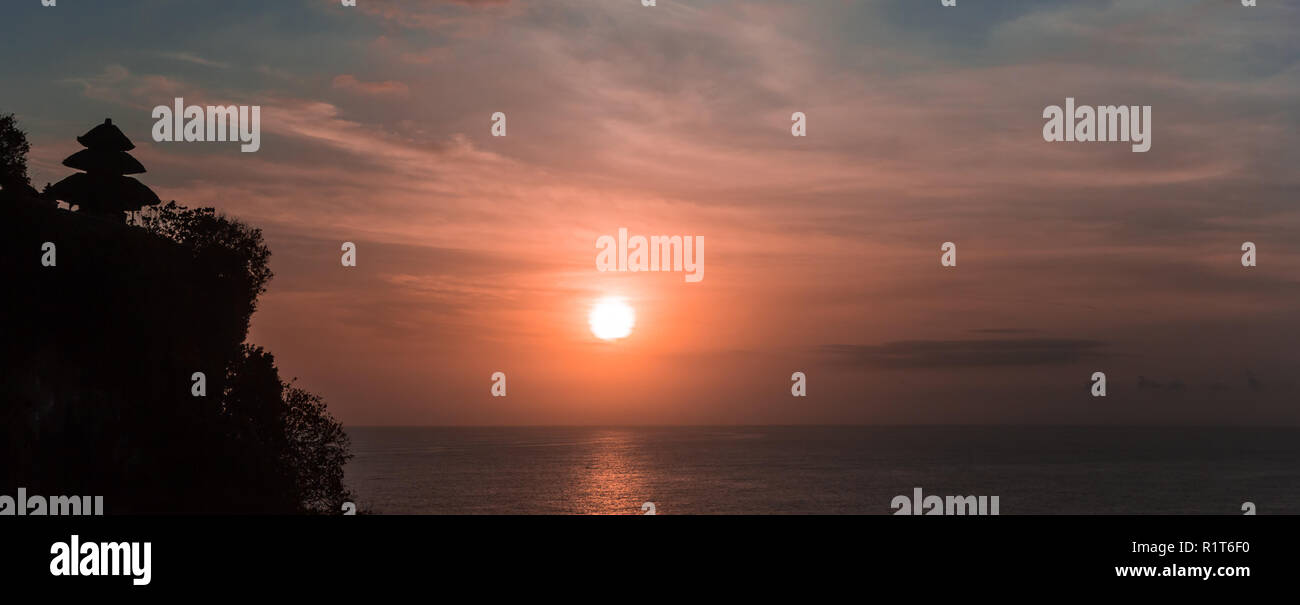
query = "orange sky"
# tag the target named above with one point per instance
(476, 253)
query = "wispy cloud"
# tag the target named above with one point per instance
(968, 353)
(195, 59)
(350, 83)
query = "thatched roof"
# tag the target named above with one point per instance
(99, 160)
(107, 137)
(105, 193)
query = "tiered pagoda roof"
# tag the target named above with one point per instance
(103, 188)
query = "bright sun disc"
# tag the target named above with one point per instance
(611, 318)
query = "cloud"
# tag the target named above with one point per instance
(456, 17)
(350, 83)
(195, 59)
(968, 353)
(116, 84)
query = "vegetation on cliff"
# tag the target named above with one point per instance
(106, 324)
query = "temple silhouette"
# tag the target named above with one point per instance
(103, 189)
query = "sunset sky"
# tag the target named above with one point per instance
(476, 253)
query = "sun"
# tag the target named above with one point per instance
(611, 318)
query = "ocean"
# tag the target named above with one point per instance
(822, 469)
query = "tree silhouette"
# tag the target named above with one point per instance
(233, 249)
(13, 154)
(281, 448)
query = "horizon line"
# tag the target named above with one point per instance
(855, 425)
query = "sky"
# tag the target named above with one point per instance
(476, 254)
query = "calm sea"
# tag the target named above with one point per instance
(826, 470)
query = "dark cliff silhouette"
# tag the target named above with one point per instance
(103, 332)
